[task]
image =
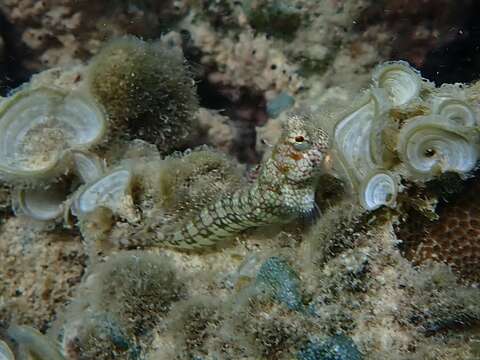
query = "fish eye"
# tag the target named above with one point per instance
(301, 143)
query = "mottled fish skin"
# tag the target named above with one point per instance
(284, 190)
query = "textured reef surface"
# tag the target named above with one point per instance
(256, 179)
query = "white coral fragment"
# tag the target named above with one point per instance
(357, 141)
(431, 145)
(378, 190)
(399, 80)
(38, 128)
(457, 111)
(352, 137)
(88, 166)
(40, 204)
(111, 191)
(404, 125)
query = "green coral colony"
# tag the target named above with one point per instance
(56, 155)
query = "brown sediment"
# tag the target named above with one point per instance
(39, 272)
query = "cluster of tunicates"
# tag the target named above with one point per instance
(403, 127)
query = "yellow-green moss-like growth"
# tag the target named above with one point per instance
(120, 304)
(194, 179)
(182, 185)
(100, 337)
(147, 90)
(137, 288)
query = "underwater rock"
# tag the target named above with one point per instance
(147, 90)
(443, 303)
(334, 348)
(276, 277)
(40, 269)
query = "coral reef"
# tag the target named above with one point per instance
(452, 238)
(348, 233)
(61, 33)
(430, 26)
(250, 61)
(372, 274)
(278, 18)
(218, 132)
(404, 126)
